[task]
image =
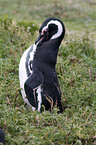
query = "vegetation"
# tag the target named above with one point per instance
(76, 69)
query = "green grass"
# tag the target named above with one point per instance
(76, 69)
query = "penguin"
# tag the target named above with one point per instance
(37, 74)
(2, 138)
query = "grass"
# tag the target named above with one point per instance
(76, 69)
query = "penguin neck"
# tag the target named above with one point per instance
(55, 42)
(52, 45)
(47, 52)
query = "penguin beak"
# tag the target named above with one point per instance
(41, 39)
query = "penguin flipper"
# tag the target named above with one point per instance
(31, 84)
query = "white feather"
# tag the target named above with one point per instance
(32, 53)
(23, 74)
(39, 98)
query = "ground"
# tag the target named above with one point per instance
(76, 68)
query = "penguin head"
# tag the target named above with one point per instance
(52, 28)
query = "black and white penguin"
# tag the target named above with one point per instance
(2, 138)
(37, 74)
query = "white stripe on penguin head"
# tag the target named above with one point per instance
(59, 27)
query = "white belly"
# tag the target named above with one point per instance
(23, 75)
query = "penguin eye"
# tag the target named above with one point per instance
(44, 31)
